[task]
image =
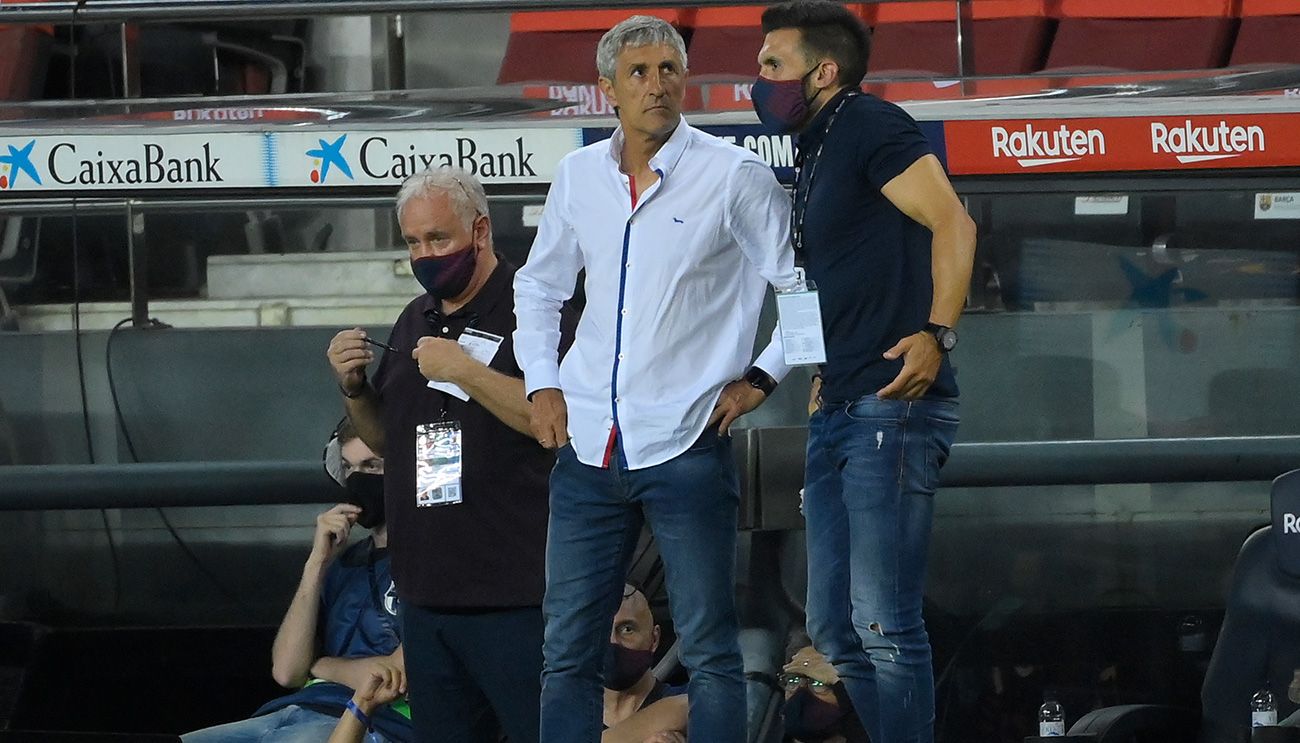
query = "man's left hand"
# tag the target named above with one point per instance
(666, 736)
(921, 360)
(440, 359)
(737, 398)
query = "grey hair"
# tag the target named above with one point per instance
(467, 196)
(639, 30)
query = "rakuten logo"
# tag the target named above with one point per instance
(1034, 147)
(1289, 524)
(1194, 144)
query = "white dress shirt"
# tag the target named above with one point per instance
(674, 288)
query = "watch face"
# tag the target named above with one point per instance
(947, 339)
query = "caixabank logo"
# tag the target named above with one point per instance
(327, 156)
(17, 164)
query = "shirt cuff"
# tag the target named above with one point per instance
(541, 375)
(772, 360)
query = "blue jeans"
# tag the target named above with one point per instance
(873, 466)
(691, 504)
(292, 724)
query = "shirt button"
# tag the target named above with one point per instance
(446, 329)
(618, 399)
(627, 265)
(624, 312)
(621, 357)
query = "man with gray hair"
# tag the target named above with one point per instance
(680, 234)
(464, 481)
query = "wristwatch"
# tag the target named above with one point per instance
(760, 380)
(946, 336)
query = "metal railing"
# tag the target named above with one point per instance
(1016, 464)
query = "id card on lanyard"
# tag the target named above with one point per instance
(799, 313)
(437, 464)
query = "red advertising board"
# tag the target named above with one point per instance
(1090, 145)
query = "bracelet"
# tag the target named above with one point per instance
(357, 394)
(362, 716)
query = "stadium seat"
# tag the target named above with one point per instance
(1010, 37)
(24, 60)
(1134, 36)
(726, 41)
(560, 46)
(1256, 648)
(1268, 33)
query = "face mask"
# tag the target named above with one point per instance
(446, 276)
(624, 666)
(781, 104)
(366, 489)
(808, 718)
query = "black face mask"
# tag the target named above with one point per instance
(808, 718)
(366, 490)
(624, 666)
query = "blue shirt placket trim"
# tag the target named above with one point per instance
(622, 293)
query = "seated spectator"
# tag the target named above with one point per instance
(817, 708)
(639, 708)
(341, 630)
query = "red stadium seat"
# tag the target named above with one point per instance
(1010, 37)
(726, 41)
(1141, 36)
(560, 46)
(1269, 33)
(24, 59)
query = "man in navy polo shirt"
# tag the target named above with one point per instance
(890, 246)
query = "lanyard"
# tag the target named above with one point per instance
(800, 208)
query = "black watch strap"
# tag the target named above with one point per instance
(760, 380)
(945, 336)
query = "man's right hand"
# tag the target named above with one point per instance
(348, 355)
(549, 418)
(332, 529)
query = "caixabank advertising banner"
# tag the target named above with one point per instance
(132, 162)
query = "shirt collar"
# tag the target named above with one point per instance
(813, 134)
(669, 153)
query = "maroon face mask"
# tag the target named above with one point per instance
(446, 276)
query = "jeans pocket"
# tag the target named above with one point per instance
(942, 432)
(877, 411)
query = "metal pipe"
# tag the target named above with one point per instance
(55, 207)
(69, 487)
(146, 11)
(984, 465)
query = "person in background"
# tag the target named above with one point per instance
(341, 629)
(817, 708)
(639, 708)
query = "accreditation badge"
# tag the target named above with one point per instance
(799, 314)
(437, 464)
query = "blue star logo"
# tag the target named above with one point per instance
(20, 161)
(330, 153)
(1157, 292)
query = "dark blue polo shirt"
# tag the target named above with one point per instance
(870, 261)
